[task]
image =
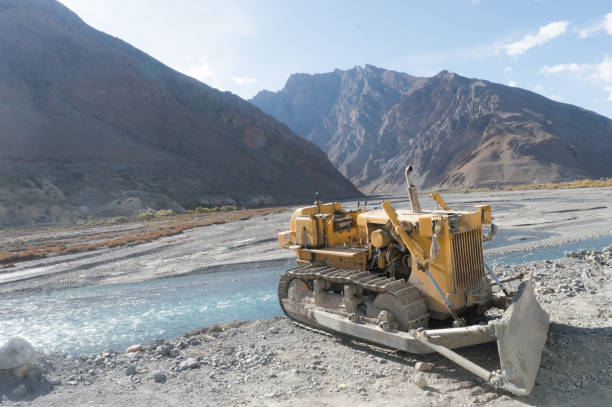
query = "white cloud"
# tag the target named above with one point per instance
(545, 34)
(507, 69)
(201, 71)
(589, 31)
(601, 71)
(573, 67)
(512, 83)
(241, 80)
(538, 88)
(605, 24)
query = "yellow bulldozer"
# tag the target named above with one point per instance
(413, 280)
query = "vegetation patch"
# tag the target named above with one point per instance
(167, 223)
(164, 212)
(583, 183)
(146, 215)
(118, 219)
(224, 208)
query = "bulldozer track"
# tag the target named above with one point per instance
(413, 305)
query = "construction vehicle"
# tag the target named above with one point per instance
(413, 280)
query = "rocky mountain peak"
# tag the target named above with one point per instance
(456, 131)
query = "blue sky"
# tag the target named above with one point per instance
(561, 49)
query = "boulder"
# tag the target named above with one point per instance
(19, 392)
(16, 352)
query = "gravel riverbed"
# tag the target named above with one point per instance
(275, 362)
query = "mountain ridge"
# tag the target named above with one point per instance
(110, 130)
(455, 131)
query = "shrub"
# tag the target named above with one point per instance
(118, 219)
(146, 215)
(201, 210)
(164, 212)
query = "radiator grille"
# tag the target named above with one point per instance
(467, 260)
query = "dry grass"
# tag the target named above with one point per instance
(583, 183)
(153, 230)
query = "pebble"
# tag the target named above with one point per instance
(130, 370)
(423, 366)
(156, 343)
(190, 363)
(420, 381)
(134, 348)
(159, 376)
(164, 349)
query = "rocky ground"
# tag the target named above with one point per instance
(526, 220)
(274, 362)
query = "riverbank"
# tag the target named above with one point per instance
(274, 362)
(282, 366)
(526, 220)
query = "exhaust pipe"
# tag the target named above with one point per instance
(412, 192)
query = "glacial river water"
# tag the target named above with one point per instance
(91, 319)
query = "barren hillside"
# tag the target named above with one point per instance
(456, 131)
(91, 125)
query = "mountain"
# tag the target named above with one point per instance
(455, 131)
(90, 125)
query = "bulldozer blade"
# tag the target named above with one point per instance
(521, 337)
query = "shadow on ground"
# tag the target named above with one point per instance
(574, 368)
(32, 385)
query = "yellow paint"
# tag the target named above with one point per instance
(436, 197)
(380, 238)
(346, 238)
